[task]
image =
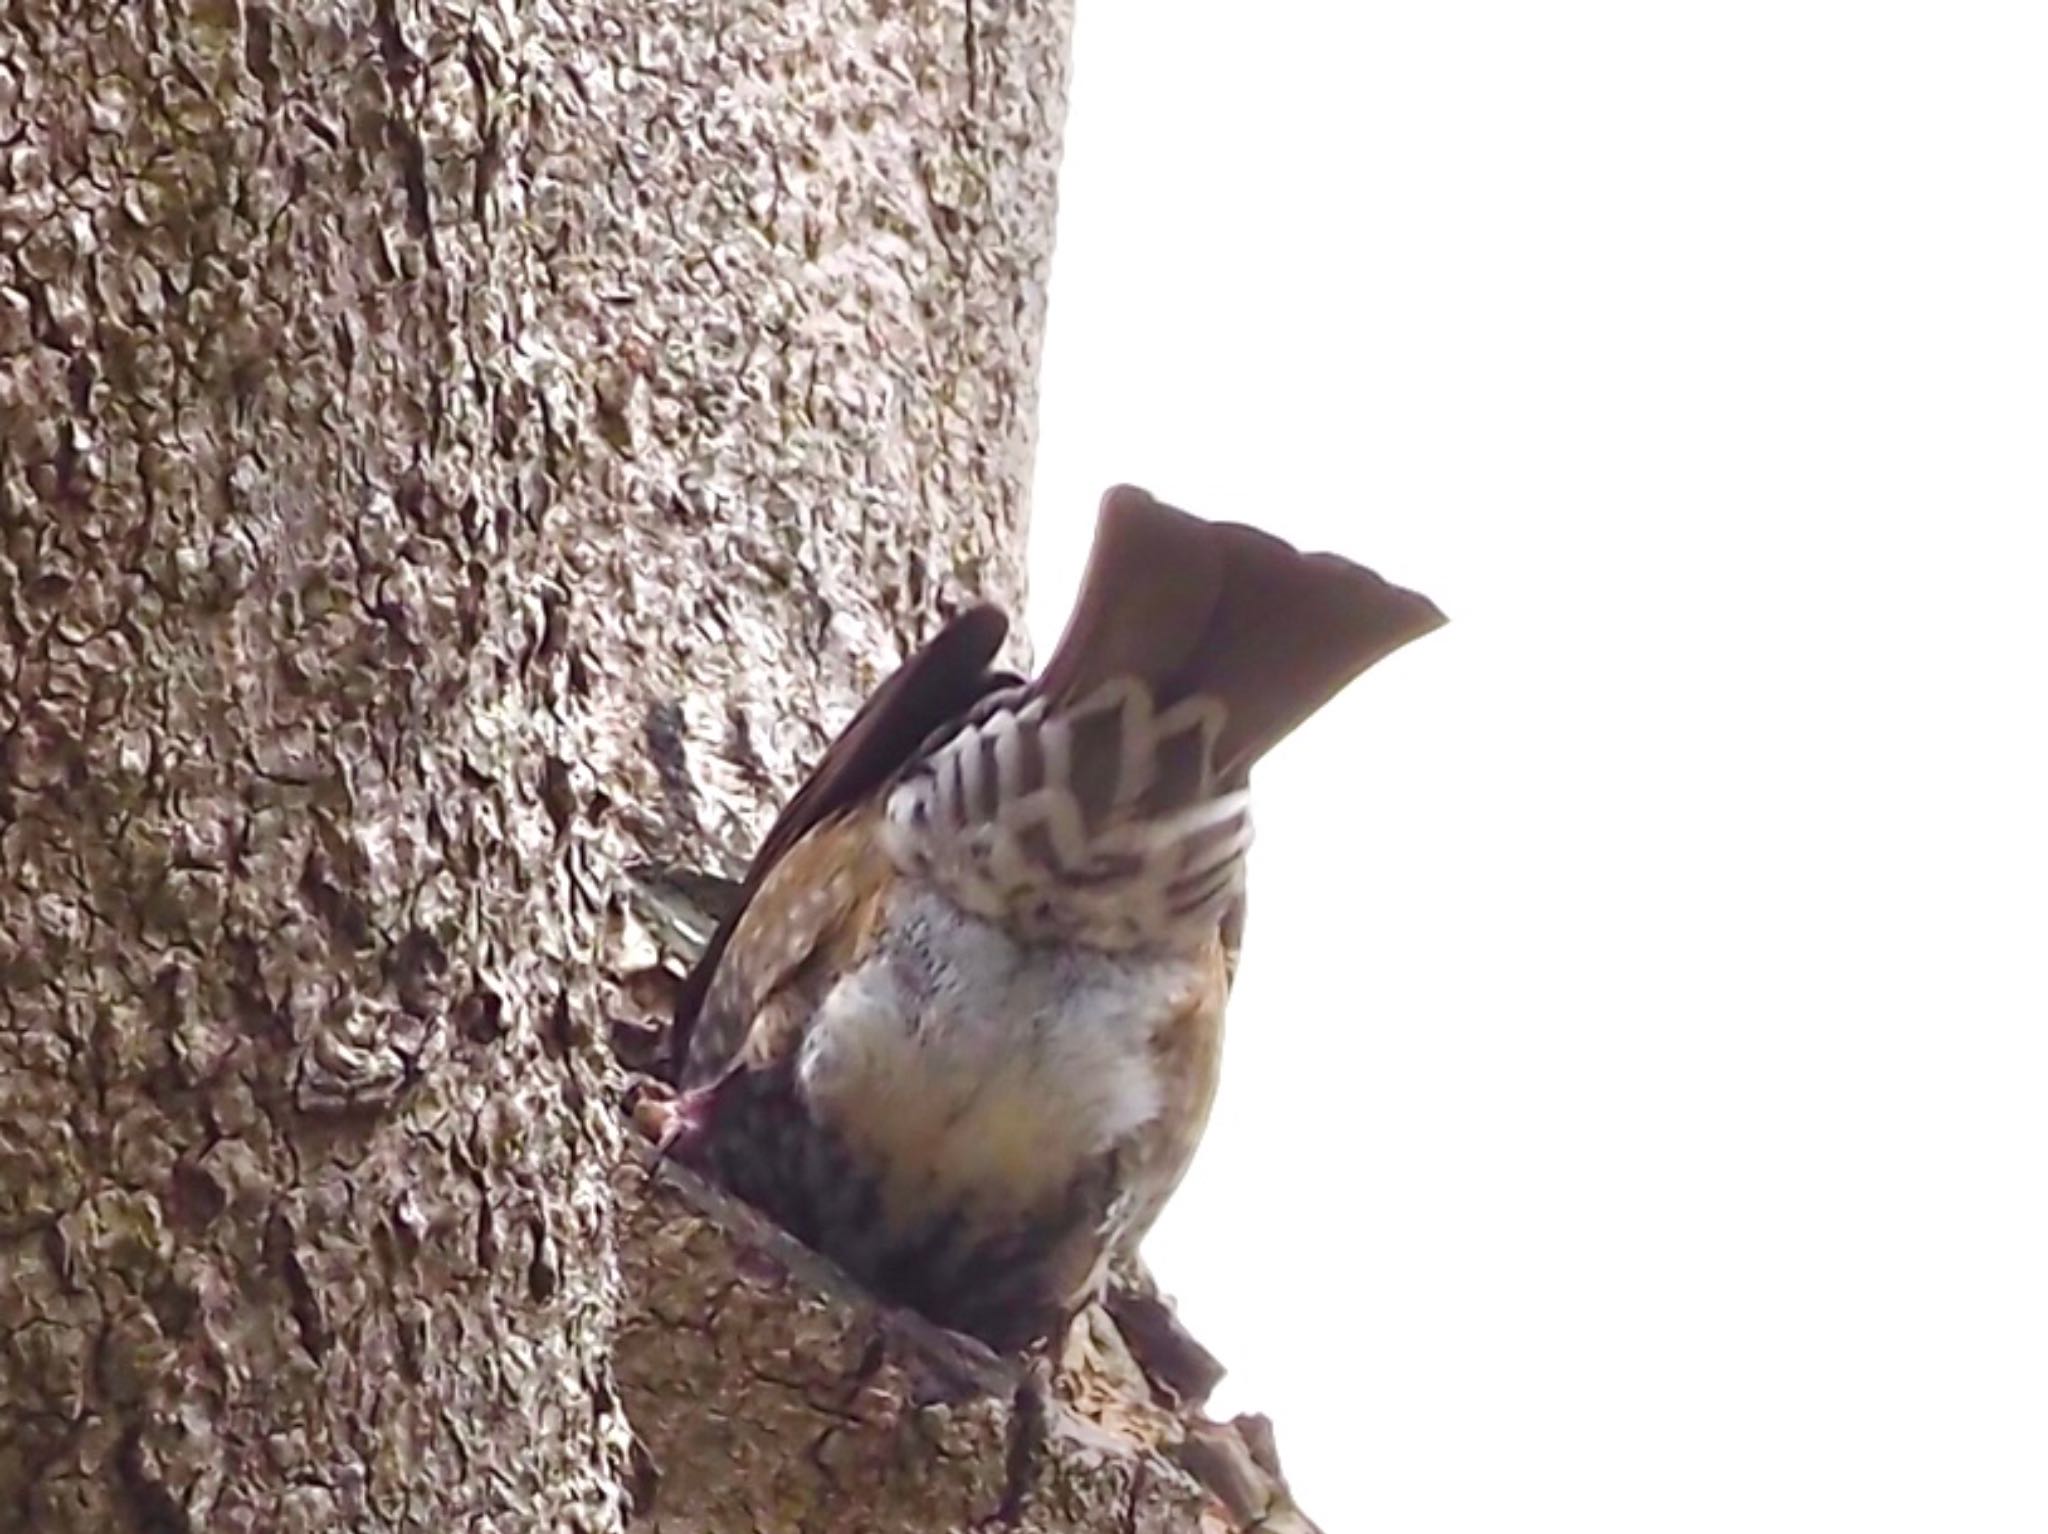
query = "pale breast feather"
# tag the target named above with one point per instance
(972, 1070)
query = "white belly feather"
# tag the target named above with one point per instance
(969, 1069)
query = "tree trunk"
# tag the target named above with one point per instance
(398, 399)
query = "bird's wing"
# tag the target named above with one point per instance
(936, 686)
(810, 917)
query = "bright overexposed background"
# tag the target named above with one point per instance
(1635, 1115)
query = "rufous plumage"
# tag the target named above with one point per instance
(962, 1031)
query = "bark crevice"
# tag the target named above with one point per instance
(397, 397)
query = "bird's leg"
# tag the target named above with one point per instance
(1030, 1411)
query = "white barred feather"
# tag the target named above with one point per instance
(995, 818)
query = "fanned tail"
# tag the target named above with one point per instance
(1105, 803)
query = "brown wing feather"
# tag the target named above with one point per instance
(819, 898)
(934, 687)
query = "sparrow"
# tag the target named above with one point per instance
(960, 1028)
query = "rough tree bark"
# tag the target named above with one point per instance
(397, 399)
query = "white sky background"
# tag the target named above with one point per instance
(1633, 1117)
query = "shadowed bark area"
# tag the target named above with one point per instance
(768, 1390)
(397, 398)
(779, 1397)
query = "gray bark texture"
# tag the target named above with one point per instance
(398, 399)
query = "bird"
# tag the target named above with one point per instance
(961, 1026)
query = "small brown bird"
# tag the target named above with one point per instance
(962, 1030)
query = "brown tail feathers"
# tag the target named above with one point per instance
(1190, 608)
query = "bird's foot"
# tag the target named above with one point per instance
(677, 1123)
